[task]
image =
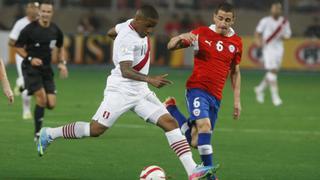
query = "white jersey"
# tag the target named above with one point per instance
(122, 94)
(268, 26)
(129, 46)
(17, 28)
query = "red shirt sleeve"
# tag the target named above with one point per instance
(196, 31)
(187, 43)
(238, 56)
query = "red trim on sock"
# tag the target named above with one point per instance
(73, 134)
(182, 153)
(180, 146)
(64, 131)
(173, 145)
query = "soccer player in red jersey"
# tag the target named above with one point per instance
(218, 52)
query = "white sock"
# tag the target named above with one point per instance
(263, 84)
(26, 102)
(75, 130)
(181, 147)
(273, 81)
(274, 90)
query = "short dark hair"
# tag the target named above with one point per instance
(149, 11)
(226, 7)
(47, 2)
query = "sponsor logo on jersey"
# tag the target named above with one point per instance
(208, 42)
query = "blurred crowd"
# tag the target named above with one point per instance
(178, 20)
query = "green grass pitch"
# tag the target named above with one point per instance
(268, 143)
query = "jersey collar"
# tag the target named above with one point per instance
(231, 32)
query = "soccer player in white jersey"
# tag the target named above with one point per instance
(269, 35)
(32, 11)
(127, 89)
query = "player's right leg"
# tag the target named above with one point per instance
(113, 105)
(259, 90)
(272, 79)
(76, 130)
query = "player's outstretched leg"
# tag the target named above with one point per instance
(180, 146)
(74, 130)
(170, 104)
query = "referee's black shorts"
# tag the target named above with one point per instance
(38, 77)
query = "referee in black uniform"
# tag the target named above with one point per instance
(35, 45)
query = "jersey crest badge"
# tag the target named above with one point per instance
(196, 112)
(52, 44)
(232, 48)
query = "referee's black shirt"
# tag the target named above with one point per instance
(39, 41)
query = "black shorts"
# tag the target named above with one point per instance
(36, 78)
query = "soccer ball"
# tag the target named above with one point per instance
(152, 172)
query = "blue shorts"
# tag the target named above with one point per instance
(202, 105)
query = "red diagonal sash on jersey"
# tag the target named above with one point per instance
(144, 61)
(276, 32)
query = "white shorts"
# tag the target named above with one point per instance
(114, 104)
(272, 59)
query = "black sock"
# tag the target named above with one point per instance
(38, 117)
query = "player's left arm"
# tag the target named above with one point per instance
(287, 31)
(236, 81)
(62, 65)
(182, 41)
(112, 33)
(235, 76)
(62, 56)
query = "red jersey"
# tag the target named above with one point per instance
(213, 61)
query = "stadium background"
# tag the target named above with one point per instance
(268, 143)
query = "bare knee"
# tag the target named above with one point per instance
(194, 137)
(41, 101)
(167, 123)
(194, 143)
(97, 129)
(203, 125)
(41, 98)
(50, 106)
